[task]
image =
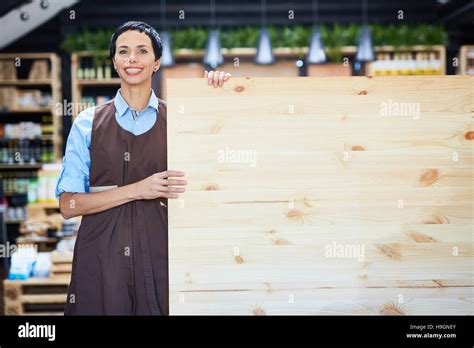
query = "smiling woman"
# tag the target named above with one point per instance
(115, 174)
(135, 52)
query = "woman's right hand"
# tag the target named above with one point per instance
(159, 185)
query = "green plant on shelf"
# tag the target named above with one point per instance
(297, 36)
(87, 40)
(244, 37)
(96, 42)
(191, 38)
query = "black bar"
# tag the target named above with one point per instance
(377, 330)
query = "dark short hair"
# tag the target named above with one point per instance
(142, 28)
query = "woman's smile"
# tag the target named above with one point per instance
(133, 71)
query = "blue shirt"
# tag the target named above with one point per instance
(75, 170)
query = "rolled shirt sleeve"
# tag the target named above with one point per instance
(74, 175)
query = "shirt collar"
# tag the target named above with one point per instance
(121, 105)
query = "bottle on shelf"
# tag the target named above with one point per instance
(25, 142)
(47, 177)
(108, 71)
(33, 188)
(18, 191)
(411, 63)
(407, 63)
(435, 64)
(47, 126)
(100, 73)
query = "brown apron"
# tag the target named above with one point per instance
(120, 264)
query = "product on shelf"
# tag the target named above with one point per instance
(420, 63)
(45, 100)
(26, 151)
(7, 97)
(16, 214)
(469, 61)
(21, 130)
(47, 179)
(47, 125)
(23, 261)
(92, 73)
(39, 70)
(17, 182)
(13, 98)
(27, 262)
(28, 98)
(42, 266)
(18, 189)
(33, 229)
(93, 101)
(23, 187)
(8, 70)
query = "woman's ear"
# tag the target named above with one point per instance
(157, 65)
(113, 62)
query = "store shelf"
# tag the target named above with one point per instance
(77, 84)
(466, 60)
(25, 110)
(98, 82)
(438, 50)
(43, 137)
(20, 166)
(36, 55)
(53, 82)
(32, 295)
(26, 82)
(30, 240)
(49, 205)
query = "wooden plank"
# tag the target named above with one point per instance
(322, 189)
(35, 55)
(99, 82)
(61, 268)
(36, 295)
(330, 69)
(298, 208)
(61, 257)
(445, 301)
(53, 298)
(249, 68)
(25, 82)
(179, 71)
(36, 281)
(44, 313)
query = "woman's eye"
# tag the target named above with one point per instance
(143, 51)
(122, 52)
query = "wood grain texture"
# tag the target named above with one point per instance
(348, 195)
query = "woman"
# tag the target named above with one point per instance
(115, 175)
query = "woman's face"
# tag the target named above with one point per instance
(134, 58)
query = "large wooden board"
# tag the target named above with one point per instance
(318, 196)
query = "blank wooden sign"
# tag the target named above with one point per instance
(348, 195)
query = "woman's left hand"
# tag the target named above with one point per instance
(217, 78)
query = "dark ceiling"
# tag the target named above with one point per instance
(238, 12)
(241, 12)
(456, 15)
